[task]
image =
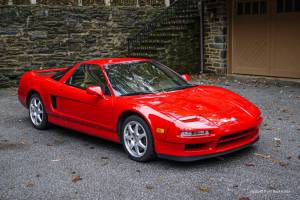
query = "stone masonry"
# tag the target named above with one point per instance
(53, 36)
(215, 36)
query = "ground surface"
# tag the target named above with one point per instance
(63, 164)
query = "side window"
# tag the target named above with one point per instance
(258, 7)
(88, 75)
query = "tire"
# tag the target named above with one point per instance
(37, 113)
(137, 143)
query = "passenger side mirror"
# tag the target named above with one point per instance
(95, 90)
(186, 77)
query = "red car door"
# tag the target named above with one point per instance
(78, 107)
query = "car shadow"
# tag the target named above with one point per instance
(230, 158)
(116, 148)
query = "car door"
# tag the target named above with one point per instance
(84, 109)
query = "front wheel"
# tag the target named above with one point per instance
(137, 139)
(37, 113)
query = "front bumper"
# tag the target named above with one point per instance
(202, 157)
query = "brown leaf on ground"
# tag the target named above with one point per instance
(289, 157)
(282, 164)
(263, 155)
(244, 198)
(104, 158)
(285, 110)
(75, 179)
(203, 189)
(149, 187)
(30, 184)
(299, 157)
(220, 158)
(250, 164)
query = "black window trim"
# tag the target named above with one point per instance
(99, 84)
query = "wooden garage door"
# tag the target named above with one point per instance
(266, 37)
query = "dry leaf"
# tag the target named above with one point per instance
(283, 164)
(250, 164)
(76, 179)
(149, 187)
(220, 158)
(204, 189)
(104, 157)
(263, 155)
(244, 198)
(30, 184)
(299, 157)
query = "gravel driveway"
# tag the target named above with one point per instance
(63, 164)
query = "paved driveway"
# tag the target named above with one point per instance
(63, 164)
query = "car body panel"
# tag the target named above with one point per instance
(216, 109)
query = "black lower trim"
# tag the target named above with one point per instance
(196, 158)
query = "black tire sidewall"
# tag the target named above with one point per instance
(44, 124)
(149, 155)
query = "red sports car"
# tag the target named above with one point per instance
(144, 105)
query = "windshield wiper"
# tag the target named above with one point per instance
(137, 93)
(178, 88)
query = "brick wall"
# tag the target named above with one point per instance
(215, 39)
(52, 36)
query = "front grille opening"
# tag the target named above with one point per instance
(236, 135)
(191, 147)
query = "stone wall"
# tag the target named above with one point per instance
(215, 39)
(53, 36)
(87, 2)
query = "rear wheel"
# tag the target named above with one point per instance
(37, 113)
(137, 139)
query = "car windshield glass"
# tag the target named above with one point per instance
(143, 77)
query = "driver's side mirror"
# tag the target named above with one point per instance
(95, 90)
(186, 77)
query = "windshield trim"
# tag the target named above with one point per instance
(156, 63)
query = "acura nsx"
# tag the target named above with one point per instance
(142, 104)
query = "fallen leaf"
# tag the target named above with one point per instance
(244, 198)
(76, 179)
(38, 176)
(250, 164)
(161, 178)
(235, 186)
(263, 155)
(289, 157)
(283, 164)
(138, 170)
(30, 184)
(104, 158)
(204, 189)
(220, 158)
(149, 187)
(73, 172)
(24, 142)
(299, 157)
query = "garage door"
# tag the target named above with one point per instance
(266, 37)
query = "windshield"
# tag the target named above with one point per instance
(143, 77)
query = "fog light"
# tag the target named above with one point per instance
(195, 133)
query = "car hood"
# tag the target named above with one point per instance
(215, 104)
